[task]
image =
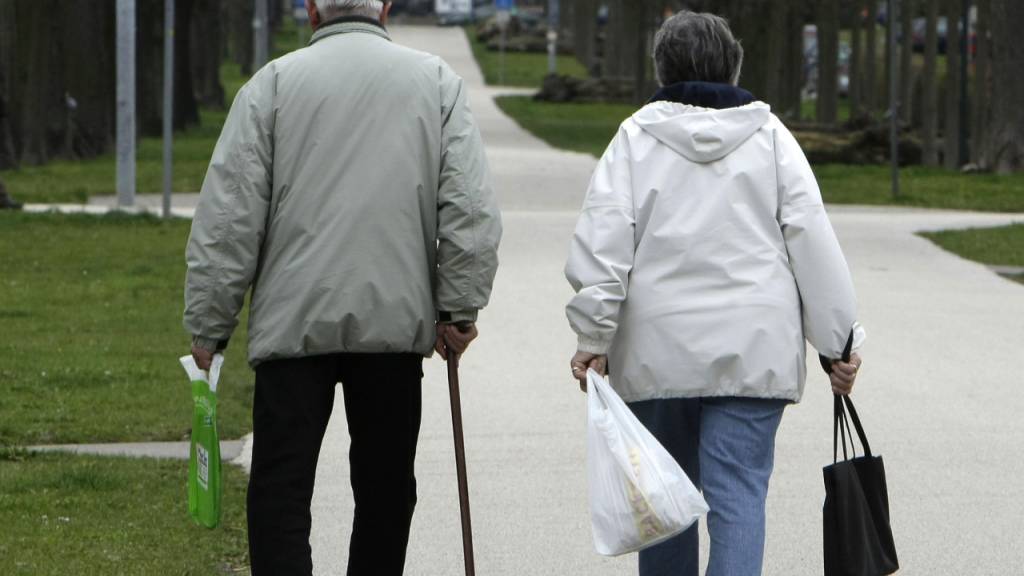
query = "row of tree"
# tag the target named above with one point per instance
(58, 70)
(772, 33)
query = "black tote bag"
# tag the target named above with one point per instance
(857, 536)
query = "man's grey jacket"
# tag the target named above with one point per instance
(350, 189)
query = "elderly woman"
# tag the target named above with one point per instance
(702, 259)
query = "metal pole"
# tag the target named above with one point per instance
(260, 39)
(964, 115)
(553, 22)
(894, 105)
(168, 103)
(503, 39)
(125, 103)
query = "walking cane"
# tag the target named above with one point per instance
(460, 461)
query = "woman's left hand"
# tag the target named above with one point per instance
(581, 361)
(844, 374)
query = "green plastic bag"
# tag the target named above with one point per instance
(204, 488)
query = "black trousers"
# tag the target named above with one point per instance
(293, 403)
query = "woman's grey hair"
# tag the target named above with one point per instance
(693, 46)
(335, 8)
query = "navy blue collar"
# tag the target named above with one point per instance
(703, 94)
(350, 19)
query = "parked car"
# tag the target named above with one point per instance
(811, 63)
(453, 12)
(919, 32)
(412, 7)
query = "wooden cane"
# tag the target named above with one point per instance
(460, 461)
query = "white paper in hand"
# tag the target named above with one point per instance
(639, 495)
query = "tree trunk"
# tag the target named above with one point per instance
(951, 90)
(828, 61)
(205, 53)
(1004, 143)
(585, 32)
(929, 92)
(856, 58)
(795, 58)
(871, 59)
(238, 15)
(775, 50)
(186, 110)
(56, 79)
(907, 8)
(980, 116)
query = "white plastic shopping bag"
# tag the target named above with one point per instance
(639, 495)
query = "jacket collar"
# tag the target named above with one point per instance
(704, 95)
(349, 24)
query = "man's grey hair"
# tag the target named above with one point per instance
(335, 8)
(693, 46)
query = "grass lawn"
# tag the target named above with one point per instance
(91, 315)
(64, 514)
(521, 68)
(581, 127)
(1002, 246)
(589, 127)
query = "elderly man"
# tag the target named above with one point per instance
(349, 190)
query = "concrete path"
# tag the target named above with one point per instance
(938, 394)
(230, 450)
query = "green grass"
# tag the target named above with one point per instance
(74, 181)
(809, 110)
(91, 315)
(589, 127)
(923, 187)
(572, 126)
(1000, 246)
(521, 68)
(64, 514)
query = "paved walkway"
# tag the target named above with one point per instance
(939, 394)
(229, 449)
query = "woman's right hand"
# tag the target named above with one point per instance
(844, 374)
(581, 361)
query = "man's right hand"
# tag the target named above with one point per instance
(454, 338)
(203, 357)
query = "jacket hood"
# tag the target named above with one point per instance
(698, 133)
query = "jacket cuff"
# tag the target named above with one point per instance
(593, 345)
(455, 317)
(209, 344)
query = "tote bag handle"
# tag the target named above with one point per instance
(841, 406)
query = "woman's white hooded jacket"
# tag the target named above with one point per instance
(703, 258)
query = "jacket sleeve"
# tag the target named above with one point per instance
(469, 222)
(230, 220)
(602, 250)
(828, 302)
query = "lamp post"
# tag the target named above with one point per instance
(260, 38)
(168, 103)
(894, 103)
(553, 21)
(125, 103)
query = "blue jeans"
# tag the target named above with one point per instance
(727, 448)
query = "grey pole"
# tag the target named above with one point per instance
(892, 18)
(553, 21)
(964, 115)
(260, 40)
(125, 103)
(168, 102)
